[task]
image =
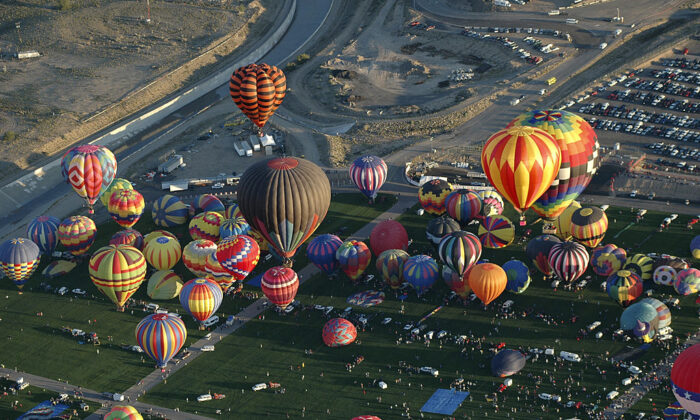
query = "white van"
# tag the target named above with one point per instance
(507, 304)
(626, 381)
(612, 395)
(208, 348)
(260, 386)
(549, 352)
(571, 357)
(152, 307)
(204, 397)
(117, 397)
(214, 319)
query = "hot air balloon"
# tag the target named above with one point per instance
(194, 256)
(285, 199)
(624, 287)
(206, 226)
(390, 263)
(90, 171)
(455, 282)
(262, 243)
(687, 281)
(661, 310)
(640, 311)
(163, 252)
(19, 258)
(57, 268)
(43, 231)
(367, 417)
(116, 185)
(538, 252)
(640, 264)
(388, 234)
(460, 251)
(164, 285)
(420, 271)
(161, 336)
(685, 379)
(169, 211)
(568, 260)
(77, 233)
(201, 298)
(258, 90)
(123, 412)
(339, 332)
(496, 232)
(606, 260)
(353, 257)
(217, 272)
(695, 247)
(126, 207)
(206, 202)
(588, 225)
(233, 211)
(562, 224)
(129, 237)
(579, 157)
(368, 173)
(664, 275)
(487, 281)
(321, 252)
(674, 411)
(491, 203)
(521, 163)
(676, 263)
(232, 227)
(463, 205)
(439, 227)
(507, 362)
(117, 272)
(280, 285)
(432, 195)
(238, 255)
(518, 276)
(155, 234)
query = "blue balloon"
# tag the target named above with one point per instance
(321, 252)
(420, 271)
(43, 232)
(518, 276)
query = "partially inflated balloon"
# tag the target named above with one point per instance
(321, 252)
(562, 224)
(606, 260)
(518, 276)
(432, 195)
(665, 275)
(455, 282)
(568, 260)
(662, 311)
(117, 272)
(460, 251)
(280, 285)
(439, 227)
(126, 207)
(233, 211)
(163, 252)
(194, 256)
(420, 271)
(491, 203)
(687, 281)
(77, 233)
(538, 252)
(390, 264)
(90, 171)
(129, 237)
(624, 287)
(161, 336)
(487, 281)
(169, 211)
(368, 173)
(496, 232)
(206, 226)
(695, 247)
(19, 258)
(164, 285)
(588, 225)
(116, 185)
(507, 362)
(206, 202)
(640, 264)
(156, 233)
(388, 234)
(463, 205)
(258, 90)
(43, 231)
(353, 257)
(201, 298)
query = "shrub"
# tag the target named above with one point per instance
(9, 136)
(64, 5)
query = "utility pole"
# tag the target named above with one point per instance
(148, 11)
(19, 36)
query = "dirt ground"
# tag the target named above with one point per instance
(95, 55)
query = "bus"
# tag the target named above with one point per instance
(551, 81)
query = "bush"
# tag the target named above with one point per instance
(64, 5)
(302, 58)
(9, 136)
(290, 66)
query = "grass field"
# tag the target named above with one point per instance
(35, 344)
(13, 405)
(273, 349)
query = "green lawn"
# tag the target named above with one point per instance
(273, 349)
(13, 405)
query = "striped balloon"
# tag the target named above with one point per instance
(201, 298)
(685, 380)
(232, 227)
(579, 157)
(624, 287)
(206, 202)
(128, 237)
(43, 231)
(432, 195)
(606, 260)
(463, 205)
(687, 281)
(665, 275)
(588, 225)
(206, 226)
(238, 255)
(218, 273)
(258, 90)
(233, 211)
(338, 332)
(640, 264)
(496, 232)
(521, 163)
(155, 234)
(90, 171)
(164, 285)
(19, 258)
(280, 285)
(123, 412)
(117, 272)
(568, 260)
(353, 257)
(321, 252)
(163, 252)
(518, 276)
(126, 207)
(368, 173)
(562, 224)
(421, 271)
(456, 283)
(169, 211)
(491, 203)
(439, 227)
(194, 256)
(538, 252)
(390, 264)
(662, 310)
(161, 336)
(460, 251)
(117, 184)
(77, 233)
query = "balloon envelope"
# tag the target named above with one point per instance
(117, 184)
(206, 226)
(388, 234)
(258, 90)
(685, 379)
(77, 233)
(43, 231)
(194, 256)
(487, 281)
(201, 298)
(161, 336)
(606, 260)
(169, 211)
(280, 285)
(238, 255)
(639, 311)
(338, 332)
(661, 310)
(460, 251)
(206, 202)
(588, 225)
(562, 224)
(439, 227)
(126, 207)
(91, 170)
(129, 237)
(390, 264)
(624, 287)
(568, 260)
(496, 232)
(640, 264)
(420, 271)
(695, 247)
(432, 195)
(163, 252)
(123, 412)
(687, 281)
(353, 257)
(491, 203)
(665, 275)
(538, 252)
(321, 252)
(463, 205)
(19, 258)
(507, 362)
(231, 227)
(368, 173)
(117, 272)
(164, 285)
(518, 276)
(456, 283)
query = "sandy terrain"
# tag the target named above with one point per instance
(96, 54)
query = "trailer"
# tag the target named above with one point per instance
(255, 142)
(238, 147)
(171, 164)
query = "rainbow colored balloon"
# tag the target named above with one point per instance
(608, 259)
(43, 231)
(91, 169)
(123, 412)
(421, 271)
(117, 272)
(687, 281)
(491, 203)
(206, 202)
(233, 211)
(460, 251)
(390, 264)
(161, 336)
(588, 225)
(463, 205)
(19, 258)
(353, 257)
(117, 184)
(77, 234)
(321, 252)
(665, 275)
(126, 207)
(232, 227)
(238, 255)
(128, 237)
(496, 232)
(206, 226)
(624, 287)
(169, 211)
(194, 256)
(218, 273)
(201, 298)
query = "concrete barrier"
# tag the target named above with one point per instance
(30, 186)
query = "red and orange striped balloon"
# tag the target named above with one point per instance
(258, 90)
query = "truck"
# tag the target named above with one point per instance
(171, 164)
(603, 45)
(553, 12)
(515, 101)
(571, 21)
(551, 81)
(238, 147)
(255, 142)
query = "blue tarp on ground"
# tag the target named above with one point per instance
(45, 410)
(444, 401)
(255, 281)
